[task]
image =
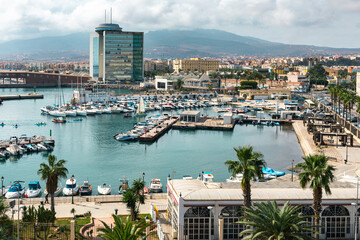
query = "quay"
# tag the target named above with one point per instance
(263, 120)
(21, 96)
(158, 131)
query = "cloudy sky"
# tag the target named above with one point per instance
(334, 23)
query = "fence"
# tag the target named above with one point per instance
(29, 231)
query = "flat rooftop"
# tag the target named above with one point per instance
(196, 190)
(190, 113)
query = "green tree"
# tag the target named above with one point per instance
(127, 230)
(249, 164)
(5, 223)
(268, 221)
(317, 74)
(133, 197)
(179, 84)
(52, 173)
(316, 173)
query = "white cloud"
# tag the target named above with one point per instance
(28, 19)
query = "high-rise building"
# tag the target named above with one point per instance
(116, 56)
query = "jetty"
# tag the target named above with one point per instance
(21, 96)
(207, 123)
(153, 134)
(263, 120)
(26, 140)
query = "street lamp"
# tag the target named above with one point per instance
(2, 185)
(143, 191)
(292, 170)
(72, 189)
(210, 209)
(17, 184)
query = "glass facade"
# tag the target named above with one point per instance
(95, 49)
(117, 55)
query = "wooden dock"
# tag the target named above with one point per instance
(21, 96)
(207, 123)
(158, 131)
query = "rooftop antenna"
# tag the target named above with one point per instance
(111, 15)
(105, 15)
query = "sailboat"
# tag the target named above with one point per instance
(141, 108)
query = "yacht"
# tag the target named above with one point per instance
(15, 191)
(14, 150)
(155, 185)
(125, 137)
(91, 111)
(57, 113)
(104, 189)
(81, 112)
(85, 189)
(107, 110)
(116, 110)
(34, 190)
(71, 188)
(70, 113)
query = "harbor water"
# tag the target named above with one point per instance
(92, 153)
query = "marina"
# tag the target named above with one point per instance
(93, 155)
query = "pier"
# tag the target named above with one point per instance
(21, 96)
(263, 120)
(207, 123)
(158, 131)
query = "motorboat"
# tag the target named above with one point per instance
(34, 190)
(15, 150)
(107, 110)
(207, 177)
(41, 147)
(57, 113)
(104, 189)
(125, 137)
(124, 186)
(155, 185)
(272, 172)
(85, 189)
(91, 111)
(187, 177)
(98, 111)
(71, 188)
(5, 191)
(46, 109)
(238, 178)
(116, 110)
(15, 191)
(56, 193)
(59, 120)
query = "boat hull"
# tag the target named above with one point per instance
(33, 193)
(71, 191)
(104, 190)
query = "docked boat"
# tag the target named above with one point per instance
(34, 190)
(81, 112)
(124, 186)
(104, 189)
(155, 185)
(15, 150)
(71, 188)
(15, 191)
(57, 113)
(70, 113)
(59, 120)
(238, 178)
(126, 137)
(141, 108)
(272, 172)
(91, 111)
(56, 193)
(85, 189)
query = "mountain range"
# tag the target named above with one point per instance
(167, 44)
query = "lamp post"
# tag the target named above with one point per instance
(143, 175)
(17, 184)
(292, 170)
(210, 209)
(2, 185)
(72, 189)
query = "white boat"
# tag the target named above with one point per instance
(34, 190)
(237, 178)
(91, 111)
(207, 177)
(57, 113)
(140, 111)
(116, 110)
(14, 150)
(104, 189)
(81, 112)
(45, 110)
(15, 191)
(98, 111)
(71, 188)
(57, 192)
(125, 137)
(70, 113)
(107, 110)
(155, 185)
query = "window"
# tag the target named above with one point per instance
(231, 215)
(308, 211)
(196, 223)
(335, 222)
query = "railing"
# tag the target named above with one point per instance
(160, 232)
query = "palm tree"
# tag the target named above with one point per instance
(133, 198)
(5, 223)
(124, 230)
(52, 173)
(316, 171)
(249, 164)
(268, 221)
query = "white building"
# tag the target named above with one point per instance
(164, 84)
(195, 206)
